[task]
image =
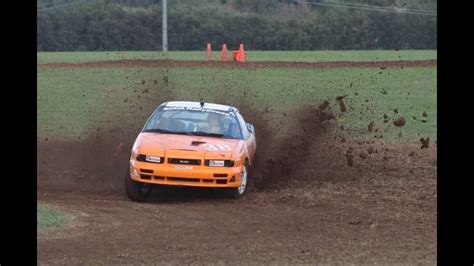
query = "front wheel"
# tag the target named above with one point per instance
(238, 192)
(136, 191)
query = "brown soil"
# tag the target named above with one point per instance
(263, 64)
(323, 211)
(363, 155)
(370, 150)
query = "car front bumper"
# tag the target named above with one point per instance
(186, 175)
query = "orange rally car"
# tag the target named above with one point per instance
(192, 144)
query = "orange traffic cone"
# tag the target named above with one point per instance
(208, 52)
(241, 54)
(224, 52)
(235, 55)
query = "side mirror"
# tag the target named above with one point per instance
(250, 128)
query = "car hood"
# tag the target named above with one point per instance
(184, 146)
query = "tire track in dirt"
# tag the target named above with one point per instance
(356, 221)
(251, 65)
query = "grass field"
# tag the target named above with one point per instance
(318, 194)
(75, 102)
(299, 56)
(48, 217)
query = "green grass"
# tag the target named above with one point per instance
(73, 103)
(48, 218)
(301, 56)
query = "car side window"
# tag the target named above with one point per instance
(243, 126)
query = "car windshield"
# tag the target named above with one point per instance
(198, 122)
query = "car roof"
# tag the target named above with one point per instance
(213, 106)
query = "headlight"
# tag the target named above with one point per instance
(219, 163)
(133, 171)
(135, 151)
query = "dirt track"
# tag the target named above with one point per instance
(373, 212)
(218, 64)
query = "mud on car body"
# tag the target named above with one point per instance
(191, 144)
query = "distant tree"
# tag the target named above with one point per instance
(261, 25)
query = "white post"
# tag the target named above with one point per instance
(165, 26)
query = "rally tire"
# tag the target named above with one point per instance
(238, 192)
(136, 191)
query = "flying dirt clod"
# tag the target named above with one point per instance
(371, 126)
(400, 122)
(350, 157)
(425, 142)
(340, 101)
(370, 150)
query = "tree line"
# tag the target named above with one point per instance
(103, 25)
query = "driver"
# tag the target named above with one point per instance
(214, 121)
